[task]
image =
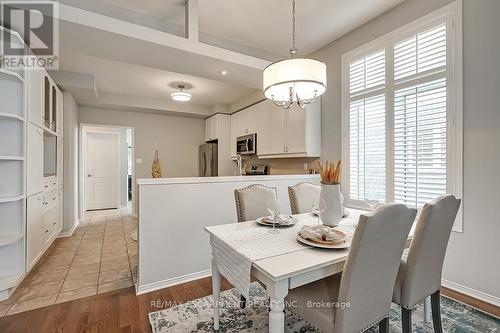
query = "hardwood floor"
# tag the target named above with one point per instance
(124, 312)
(118, 311)
(474, 302)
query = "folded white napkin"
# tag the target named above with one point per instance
(282, 219)
(322, 233)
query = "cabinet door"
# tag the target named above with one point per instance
(208, 128)
(249, 119)
(59, 112)
(59, 166)
(53, 108)
(211, 128)
(276, 131)
(236, 130)
(295, 133)
(34, 229)
(35, 97)
(46, 101)
(34, 150)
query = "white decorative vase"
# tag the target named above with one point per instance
(332, 213)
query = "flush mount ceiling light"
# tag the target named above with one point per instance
(294, 80)
(181, 95)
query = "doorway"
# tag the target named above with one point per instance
(102, 181)
(107, 171)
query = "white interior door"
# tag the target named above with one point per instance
(102, 168)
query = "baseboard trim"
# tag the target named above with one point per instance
(475, 294)
(69, 233)
(147, 288)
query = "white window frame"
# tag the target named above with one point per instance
(452, 15)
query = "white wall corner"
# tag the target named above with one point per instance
(68, 233)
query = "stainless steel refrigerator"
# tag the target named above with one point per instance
(208, 160)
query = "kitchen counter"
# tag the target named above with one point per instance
(173, 212)
(195, 180)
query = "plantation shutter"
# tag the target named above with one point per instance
(367, 171)
(420, 117)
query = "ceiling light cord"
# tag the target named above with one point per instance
(293, 50)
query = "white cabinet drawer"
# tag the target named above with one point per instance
(50, 225)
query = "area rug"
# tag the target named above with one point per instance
(196, 316)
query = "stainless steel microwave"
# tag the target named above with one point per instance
(246, 145)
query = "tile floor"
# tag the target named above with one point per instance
(99, 257)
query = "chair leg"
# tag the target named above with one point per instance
(243, 301)
(406, 320)
(436, 311)
(383, 325)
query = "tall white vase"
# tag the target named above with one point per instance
(332, 213)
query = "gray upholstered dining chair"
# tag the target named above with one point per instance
(303, 196)
(252, 201)
(420, 271)
(362, 292)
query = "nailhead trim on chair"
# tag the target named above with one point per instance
(239, 211)
(293, 200)
(374, 323)
(411, 307)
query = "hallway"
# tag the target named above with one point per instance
(99, 257)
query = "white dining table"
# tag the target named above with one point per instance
(280, 273)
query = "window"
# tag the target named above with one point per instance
(401, 110)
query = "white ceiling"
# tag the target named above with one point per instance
(126, 65)
(263, 24)
(137, 81)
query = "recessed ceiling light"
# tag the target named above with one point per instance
(181, 96)
(223, 73)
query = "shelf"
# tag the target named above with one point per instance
(11, 158)
(11, 116)
(12, 199)
(10, 239)
(5, 74)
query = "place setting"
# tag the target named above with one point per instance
(275, 219)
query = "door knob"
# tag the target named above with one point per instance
(89, 175)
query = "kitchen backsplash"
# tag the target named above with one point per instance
(286, 166)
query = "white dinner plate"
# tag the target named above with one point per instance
(291, 221)
(344, 245)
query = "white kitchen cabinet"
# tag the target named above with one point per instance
(51, 221)
(35, 208)
(35, 97)
(236, 130)
(248, 121)
(216, 126)
(291, 133)
(273, 137)
(296, 130)
(34, 161)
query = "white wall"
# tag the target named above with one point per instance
(70, 162)
(468, 261)
(176, 138)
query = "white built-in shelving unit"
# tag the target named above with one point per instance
(13, 172)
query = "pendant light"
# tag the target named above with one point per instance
(294, 80)
(181, 95)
